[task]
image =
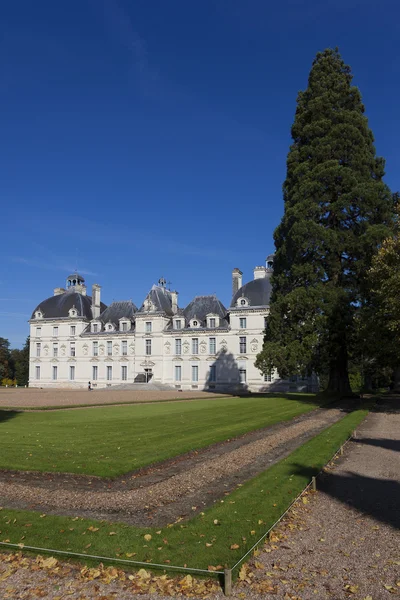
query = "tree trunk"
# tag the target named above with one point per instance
(395, 385)
(339, 375)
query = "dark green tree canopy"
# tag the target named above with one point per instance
(337, 211)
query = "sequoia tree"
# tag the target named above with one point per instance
(337, 210)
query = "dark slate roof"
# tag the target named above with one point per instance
(161, 299)
(57, 307)
(258, 292)
(201, 306)
(76, 276)
(118, 310)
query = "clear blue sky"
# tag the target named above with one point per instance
(143, 138)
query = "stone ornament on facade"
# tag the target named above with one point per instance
(85, 350)
(132, 348)
(101, 350)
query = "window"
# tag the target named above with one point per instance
(242, 345)
(178, 346)
(72, 330)
(195, 373)
(95, 348)
(124, 348)
(124, 326)
(178, 373)
(73, 313)
(95, 371)
(178, 324)
(95, 328)
(37, 372)
(147, 327)
(109, 348)
(72, 373)
(243, 323)
(54, 373)
(242, 375)
(195, 323)
(72, 349)
(38, 331)
(212, 322)
(124, 373)
(55, 349)
(212, 345)
(148, 347)
(195, 345)
(55, 331)
(213, 373)
(268, 377)
(38, 346)
(109, 373)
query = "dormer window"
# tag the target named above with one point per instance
(95, 327)
(109, 327)
(177, 324)
(73, 312)
(194, 323)
(242, 302)
(38, 314)
(212, 322)
(124, 326)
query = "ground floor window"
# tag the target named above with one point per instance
(37, 373)
(178, 373)
(109, 373)
(95, 371)
(124, 373)
(242, 375)
(268, 377)
(213, 373)
(72, 373)
(195, 372)
(55, 373)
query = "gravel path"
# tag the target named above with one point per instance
(160, 495)
(342, 542)
(36, 397)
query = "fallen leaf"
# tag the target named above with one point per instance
(147, 537)
(235, 546)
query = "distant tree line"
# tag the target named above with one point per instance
(14, 364)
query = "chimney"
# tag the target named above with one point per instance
(260, 272)
(58, 291)
(236, 280)
(96, 300)
(174, 302)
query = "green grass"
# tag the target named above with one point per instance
(110, 441)
(242, 517)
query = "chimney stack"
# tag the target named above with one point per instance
(96, 300)
(260, 272)
(174, 302)
(58, 291)
(236, 280)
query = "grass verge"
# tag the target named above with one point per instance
(111, 441)
(218, 537)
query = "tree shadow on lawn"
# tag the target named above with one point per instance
(322, 400)
(6, 415)
(378, 498)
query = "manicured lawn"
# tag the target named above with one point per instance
(238, 520)
(110, 441)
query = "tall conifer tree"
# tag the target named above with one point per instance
(337, 211)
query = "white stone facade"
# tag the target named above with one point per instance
(75, 339)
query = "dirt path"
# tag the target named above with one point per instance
(168, 491)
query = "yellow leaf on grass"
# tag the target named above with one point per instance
(112, 533)
(91, 528)
(234, 546)
(147, 537)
